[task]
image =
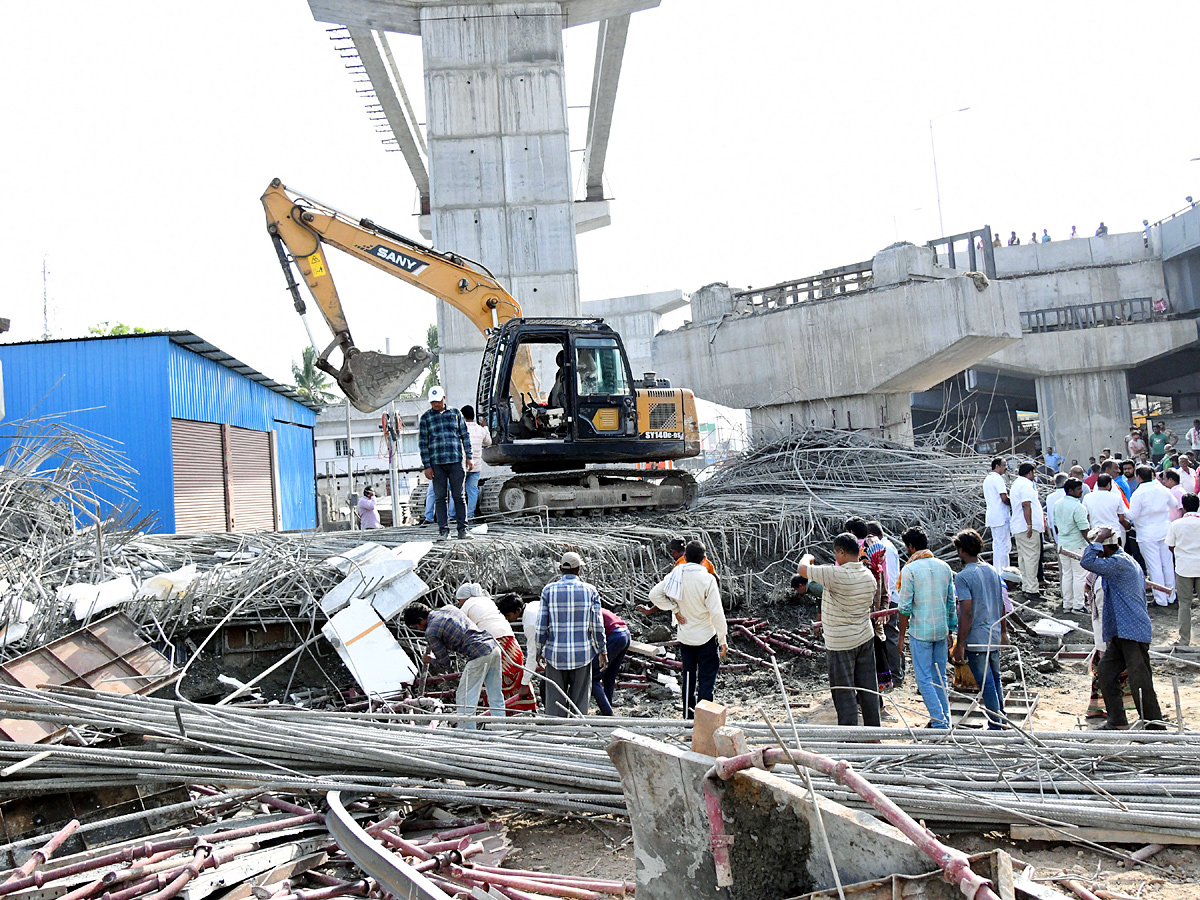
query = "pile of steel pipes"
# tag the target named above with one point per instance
(1101, 779)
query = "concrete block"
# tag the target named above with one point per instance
(900, 262)
(462, 102)
(712, 302)
(536, 172)
(775, 852)
(362, 581)
(730, 741)
(364, 553)
(373, 656)
(465, 172)
(709, 717)
(390, 599)
(532, 101)
(541, 240)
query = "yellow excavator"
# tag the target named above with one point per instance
(594, 412)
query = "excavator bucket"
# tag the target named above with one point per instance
(371, 380)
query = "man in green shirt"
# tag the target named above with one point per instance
(1159, 438)
(1071, 528)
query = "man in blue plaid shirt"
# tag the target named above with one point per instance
(445, 442)
(570, 633)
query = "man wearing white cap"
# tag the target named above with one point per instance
(570, 634)
(444, 443)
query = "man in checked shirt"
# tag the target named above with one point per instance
(570, 634)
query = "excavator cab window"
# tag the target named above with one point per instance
(539, 412)
(600, 367)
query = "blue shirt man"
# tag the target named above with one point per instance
(1125, 629)
(445, 443)
(1054, 460)
(570, 633)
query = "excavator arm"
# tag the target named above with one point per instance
(302, 228)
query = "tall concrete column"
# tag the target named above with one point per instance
(499, 162)
(1084, 412)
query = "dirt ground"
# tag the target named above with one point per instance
(1062, 702)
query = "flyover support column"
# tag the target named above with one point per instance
(1082, 413)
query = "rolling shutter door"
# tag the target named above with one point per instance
(199, 476)
(250, 474)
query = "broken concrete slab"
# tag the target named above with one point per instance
(776, 850)
(375, 659)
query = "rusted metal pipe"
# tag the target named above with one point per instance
(953, 862)
(202, 859)
(527, 884)
(39, 857)
(596, 884)
(719, 840)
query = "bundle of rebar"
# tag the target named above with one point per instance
(1147, 780)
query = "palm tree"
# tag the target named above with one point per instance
(310, 383)
(431, 344)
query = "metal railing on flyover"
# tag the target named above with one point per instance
(830, 283)
(1092, 315)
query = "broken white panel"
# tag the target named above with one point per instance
(390, 600)
(377, 662)
(168, 585)
(10, 634)
(414, 551)
(361, 555)
(364, 581)
(90, 599)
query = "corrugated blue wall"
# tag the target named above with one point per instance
(206, 391)
(129, 389)
(114, 387)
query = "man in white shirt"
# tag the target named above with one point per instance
(1059, 480)
(995, 494)
(1183, 537)
(1193, 435)
(1106, 508)
(1026, 525)
(691, 594)
(480, 438)
(1150, 510)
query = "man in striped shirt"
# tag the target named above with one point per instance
(570, 634)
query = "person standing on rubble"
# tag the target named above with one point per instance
(483, 611)
(676, 547)
(1126, 631)
(1027, 523)
(927, 610)
(845, 620)
(690, 593)
(445, 443)
(995, 495)
(447, 629)
(368, 518)
(570, 634)
(980, 612)
(891, 600)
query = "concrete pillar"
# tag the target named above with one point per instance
(887, 416)
(900, 262)
(1083, 413)
(713, 301)
(499, 162)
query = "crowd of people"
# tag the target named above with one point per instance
(1121, 526)
(1015, 241)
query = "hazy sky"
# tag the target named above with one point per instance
(752, 143)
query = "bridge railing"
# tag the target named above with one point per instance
(830, 283)
(1093, 315)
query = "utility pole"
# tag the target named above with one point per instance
(349, 464)
(45, 304)
(394, 452)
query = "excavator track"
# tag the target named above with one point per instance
(587, 492)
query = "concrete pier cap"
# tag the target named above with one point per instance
(841, 360)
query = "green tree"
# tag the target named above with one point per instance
(310, 382)
(434, 375)
(107, 329)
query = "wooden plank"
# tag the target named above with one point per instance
(245, 890)
(250, 864)
(1102, 835)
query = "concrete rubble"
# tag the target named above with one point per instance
(270, 736)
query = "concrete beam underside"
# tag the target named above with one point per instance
(499, 161)
(404, 16)
(610, 50)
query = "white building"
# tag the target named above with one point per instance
(351, 457)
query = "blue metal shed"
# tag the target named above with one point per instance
(153, 393)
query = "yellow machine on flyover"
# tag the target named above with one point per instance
(594, 412)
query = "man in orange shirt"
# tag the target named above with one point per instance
(676, 546)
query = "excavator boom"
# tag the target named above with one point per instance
(302, 227)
